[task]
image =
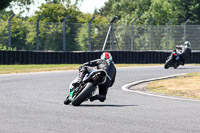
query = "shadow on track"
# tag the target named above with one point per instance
(186, 68)
(181, 68)
(104, 105)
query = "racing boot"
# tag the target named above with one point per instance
(101, 98)
(183, 63)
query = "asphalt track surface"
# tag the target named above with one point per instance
(33, 103)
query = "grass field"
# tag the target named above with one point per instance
(183, 86)
(6, 69)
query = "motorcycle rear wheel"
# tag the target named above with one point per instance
(84, 94)
(176, 65)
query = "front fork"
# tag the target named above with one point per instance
(71, 94)
(72, 91)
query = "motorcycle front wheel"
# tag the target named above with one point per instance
(84, 94)
(168, 63)
(67, 101)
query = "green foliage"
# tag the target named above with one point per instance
(51, 34)
(98, 31)
(3, 35)
(2, 47)
(146, 10)
(21, 3)
(51, 28)
(54, 12)
(62, 1)
(76, 34)
(4, 4)
(19, 30)
(161, 10)
(5, 15)
(24, 2)
(184, 9)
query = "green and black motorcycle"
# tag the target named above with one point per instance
(86, 89)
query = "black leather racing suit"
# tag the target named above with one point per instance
(183, 51)
(109, 67)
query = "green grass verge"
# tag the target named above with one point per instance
(6, 69)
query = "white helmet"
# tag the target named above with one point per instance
(106, 55)
(187, 43)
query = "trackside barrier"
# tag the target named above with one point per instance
(35, 57)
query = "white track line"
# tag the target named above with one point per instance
(128, 86)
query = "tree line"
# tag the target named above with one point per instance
(54, 11)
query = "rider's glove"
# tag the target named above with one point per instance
(80, 67)
(85, 64)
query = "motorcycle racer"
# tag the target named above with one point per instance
(183, 51)
(106, 63)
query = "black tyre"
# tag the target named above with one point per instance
(67, 101)
(176, 65)
(168, 63)
(83, 95)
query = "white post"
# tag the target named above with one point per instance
(9, 30)
(150, 25)
(37, 41)
(64, 33)
(168, 33)
(132, 33)
(89, 31)
(185, 29)
(112, 21)
(104, 45)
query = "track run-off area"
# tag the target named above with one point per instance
(33, 103)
